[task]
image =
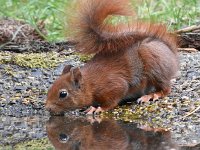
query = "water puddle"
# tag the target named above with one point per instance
(85, 133)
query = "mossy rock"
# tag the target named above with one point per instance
(33, 60)
(84, 58)
(40, 144)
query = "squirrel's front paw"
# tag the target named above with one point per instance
(93, 111)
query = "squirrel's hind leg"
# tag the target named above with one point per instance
(154, 96)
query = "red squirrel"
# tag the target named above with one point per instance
(129, 59)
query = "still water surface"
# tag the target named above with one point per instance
(72, 133)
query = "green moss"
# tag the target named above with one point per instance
(39, 60)
(33, 60)
(84, 58)
(9, 71)
(164, 113)
(41, 144)
(145, 114)
(6, 147)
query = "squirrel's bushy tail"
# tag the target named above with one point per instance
(94, 35)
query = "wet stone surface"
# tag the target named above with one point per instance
(40, 132)
(23, 91)
(15, 130)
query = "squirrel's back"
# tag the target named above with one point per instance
(95, 35)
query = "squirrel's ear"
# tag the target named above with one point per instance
(76, 76)
(66, 69)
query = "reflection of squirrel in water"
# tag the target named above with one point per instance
(77, 133)
(128, 60)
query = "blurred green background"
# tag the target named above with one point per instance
(175, 13)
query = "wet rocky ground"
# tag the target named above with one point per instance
(23, 89)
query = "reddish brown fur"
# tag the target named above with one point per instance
(129, 59)
(94, 35)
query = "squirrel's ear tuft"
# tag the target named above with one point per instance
(67, 69)
(76, 76)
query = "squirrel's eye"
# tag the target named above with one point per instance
(63, 138)
(63, 93)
